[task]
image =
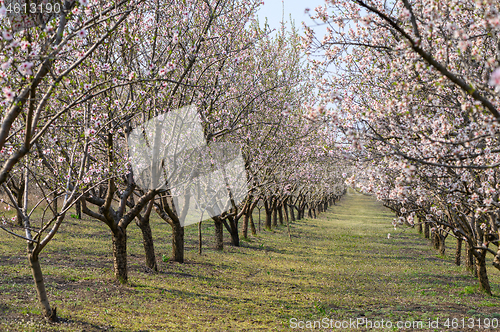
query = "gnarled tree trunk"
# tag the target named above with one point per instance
(470, 264)
(441, 244)
(120, 254)
(147, 241)
(231, 225)
(484, 283)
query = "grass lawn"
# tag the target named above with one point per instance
(339, 266)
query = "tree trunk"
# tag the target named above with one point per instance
(147, 241)
(484, 283)
(441, 244)
(219, 235)
(246, 219)
(269, 212)
(292, 212)
(496, 260)
(55, 204)
(280, 214)
(43, 300)
(200, 242)
(285, 207)
(275, 217)
(19, 198)
(120, 255)
(419, 226)
(260, 208)
(302, 212)
(458, 252)
(288, 229)
(426, 230)
(252, 225)
(435, 240)
(78, 208)
(469, 259)
(177, 243)
(233, 231)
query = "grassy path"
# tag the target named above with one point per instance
(339, 266)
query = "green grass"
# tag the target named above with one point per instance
(339, 266)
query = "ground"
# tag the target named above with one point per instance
(340, 266)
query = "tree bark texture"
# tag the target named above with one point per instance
(43, 300)
(120, 255)
(177, 243)
(219, 234)
(147, 241)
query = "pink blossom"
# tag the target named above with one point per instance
(168, 68)
(5, 65)
(25, 68)
(24, 45)
(7, 35)
(495, 78)
(82, 33)
(9, 95)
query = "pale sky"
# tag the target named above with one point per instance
(273, 10)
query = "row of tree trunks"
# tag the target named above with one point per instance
(475, 259)
(248, 219)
